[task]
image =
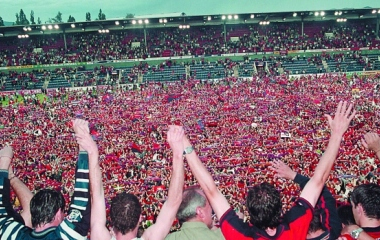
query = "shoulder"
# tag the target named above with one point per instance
(301, 208)
(296, 221)
(66, 229)
(233, 227)
(10, 228)
(174, 235)
(228, 216)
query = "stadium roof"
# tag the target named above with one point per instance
(119, 8)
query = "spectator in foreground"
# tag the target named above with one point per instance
(125, 208)
(47, 206)
(365, 201)
(23, 194)
(195, 216)
(325, 223)
(264, 202)
(345, 215)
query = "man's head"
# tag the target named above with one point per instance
(47, 206)
(125, 213)
(195, 207)
(315, 224)
(365, 200)
(264, 206)
(345, 215)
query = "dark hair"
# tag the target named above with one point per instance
(368, 195)
(315, 223)
(264, 206)
(191, 199)
(125, 212)
(45, 205)
(346, 215)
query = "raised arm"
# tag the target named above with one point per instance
(326, 202)
(77, 223)
(98, 220)
(282, 170)
(169, 210)
(338, 125)
(11, 223)
(218, 202)
(23, 194)
(371, 141)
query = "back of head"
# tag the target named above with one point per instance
(315, 223)
(345, 215)
(368, 196)
(45, 205)
(125, 213)
(264, 206)
(191, 200)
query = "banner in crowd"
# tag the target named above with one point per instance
(285, 135)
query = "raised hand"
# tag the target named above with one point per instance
(80, 125)
(341, 119)
(175, 139)
(371, 141)
(83, 137)
(282, 170)
(6, 155)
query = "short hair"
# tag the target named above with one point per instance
(346, 215)
(315, 223)
(264, 206)
(368, 195)
(125, 212)
(191, 199)
(45, 205)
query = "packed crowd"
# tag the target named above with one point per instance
(237, 127)
(206, 40)
(175, 70)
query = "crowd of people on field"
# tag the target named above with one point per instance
(237, 127)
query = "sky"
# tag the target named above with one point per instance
(46, 9)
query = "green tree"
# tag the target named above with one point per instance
(17, 20)
(23, 20)
(32, 17)
(71, 19)
(39, 20)
(1, 21)
(101, 15)
(88, 17)
(58, 18)
(130, 15)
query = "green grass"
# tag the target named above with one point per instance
(40, 96)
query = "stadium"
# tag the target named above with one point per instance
(249, 90)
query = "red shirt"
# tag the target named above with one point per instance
(295, 225)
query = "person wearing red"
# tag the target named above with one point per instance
(365, 201)
(325, 223)
(263, 200)
(366, 209)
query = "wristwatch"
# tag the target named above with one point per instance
(188, 150)
(355, 233)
